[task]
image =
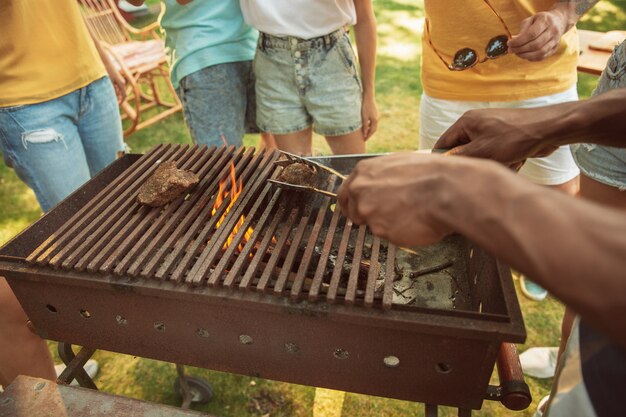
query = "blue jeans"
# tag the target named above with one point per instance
(57, 145)
(219, 101)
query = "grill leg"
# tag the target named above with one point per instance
(465, 412)
(431, 410)
(74, 366)
(184, 386)
(192, 389)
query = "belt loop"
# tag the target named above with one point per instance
(263, 38)
(328, 42)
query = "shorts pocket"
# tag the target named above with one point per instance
(345, 51)
(348, 57)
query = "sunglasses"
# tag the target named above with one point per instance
(467, 57)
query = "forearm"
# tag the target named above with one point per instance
(365, 34)
(575, 249)
(600, 120)
(572, 10)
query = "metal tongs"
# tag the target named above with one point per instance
(317, 168)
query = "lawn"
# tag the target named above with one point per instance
(398, 90)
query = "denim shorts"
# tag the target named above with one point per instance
(302, 83)
(437, 115)
(57, 145)
(219, 101)
(606, 164)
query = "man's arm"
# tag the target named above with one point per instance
(540, 34)
(512, 135)
(573, 248)
(365, 34)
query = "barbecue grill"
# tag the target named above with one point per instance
(276, 284)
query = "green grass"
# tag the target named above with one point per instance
(398, 90)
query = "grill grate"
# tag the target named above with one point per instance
(299, 248)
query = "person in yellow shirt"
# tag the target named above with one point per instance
(59, 126)
(501, 54)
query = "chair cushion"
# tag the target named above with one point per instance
(141, 55)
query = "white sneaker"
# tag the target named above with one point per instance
(539, 362)
(91, 367)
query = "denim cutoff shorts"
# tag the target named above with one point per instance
(302, 83)
(606, 164)
(219, 103)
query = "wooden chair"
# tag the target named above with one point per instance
(139, 55)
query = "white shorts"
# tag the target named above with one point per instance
(436, 116)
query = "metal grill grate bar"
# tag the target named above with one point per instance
(373, 274)
(305, 262)
(283, 236)
(341, 256)
(294, 246)
(356, 267)
(321, 266)
(246, 281)
(247, 251)
(388, 288)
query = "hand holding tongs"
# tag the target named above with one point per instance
(317, 168)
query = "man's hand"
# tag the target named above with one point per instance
(508, 136)
(400, 196)
(369, 116)
(540, 35)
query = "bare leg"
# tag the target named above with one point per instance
(298, 143)
(267, 141)
(570, 187)
(351, 143)
(21, 351)
(601, 193)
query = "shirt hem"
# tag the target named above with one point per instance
(206, 59)
(54, 94)
(508, 96)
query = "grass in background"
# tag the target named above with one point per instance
(398, 90)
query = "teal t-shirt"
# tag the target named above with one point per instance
(204, 33)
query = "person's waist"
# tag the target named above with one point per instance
(292, 42)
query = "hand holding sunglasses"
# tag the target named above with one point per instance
(467, 57)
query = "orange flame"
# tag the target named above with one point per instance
(233, 194)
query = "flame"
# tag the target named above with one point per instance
(232, 195)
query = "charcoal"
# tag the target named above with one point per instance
(166, 184)
(299, 174)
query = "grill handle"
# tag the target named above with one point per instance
(512, 392)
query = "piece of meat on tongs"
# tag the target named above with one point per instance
(301, 174)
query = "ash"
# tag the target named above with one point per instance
(433, 277)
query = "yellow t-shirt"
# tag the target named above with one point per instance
(45, 51)
(454, 25)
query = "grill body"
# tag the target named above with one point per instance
(280, 324)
